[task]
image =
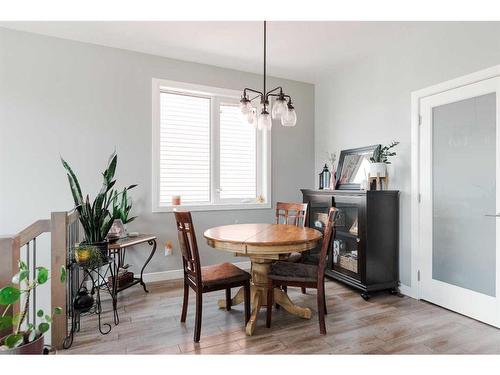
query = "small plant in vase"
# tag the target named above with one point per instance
(380, 159)
(28, 340)
(122, 206)
(332, 157)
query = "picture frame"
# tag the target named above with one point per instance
(349, 169)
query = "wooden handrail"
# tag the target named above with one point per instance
(33, 231)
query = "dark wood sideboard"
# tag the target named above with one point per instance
(365, 251)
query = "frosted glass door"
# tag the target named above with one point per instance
(463, 189)
(459, 192)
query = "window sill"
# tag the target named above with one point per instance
(213, 207)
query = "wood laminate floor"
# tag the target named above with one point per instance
(386, 324)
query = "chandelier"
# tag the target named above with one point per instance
(282, 107)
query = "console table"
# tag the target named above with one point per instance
(118, 249)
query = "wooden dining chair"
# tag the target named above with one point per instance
(284, 274)
(206, 279)
(294, 214)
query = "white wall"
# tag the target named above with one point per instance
(60, 97)
(368, 101)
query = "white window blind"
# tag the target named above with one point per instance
(238, 163)
(184, 148)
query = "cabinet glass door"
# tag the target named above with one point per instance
(345, 256)
(318, 216)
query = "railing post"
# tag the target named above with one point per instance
(9, 253)
(58, 238)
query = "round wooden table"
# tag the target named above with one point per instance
(263, 244)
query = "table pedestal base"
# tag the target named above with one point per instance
(258, 296)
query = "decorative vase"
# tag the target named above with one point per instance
(379, 169)
(33, 347)
(84, 301)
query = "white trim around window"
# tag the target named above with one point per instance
(217, 97)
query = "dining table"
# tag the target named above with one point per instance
(263, 244)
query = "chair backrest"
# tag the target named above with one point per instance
(188, 246)
(291, 213)
(328, 234)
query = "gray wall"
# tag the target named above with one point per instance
(368, 101)
(60, 97)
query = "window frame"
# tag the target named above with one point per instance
(263, 149)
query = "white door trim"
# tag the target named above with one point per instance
(416, 97)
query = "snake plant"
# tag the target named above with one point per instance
(122, 207)
(95, 217)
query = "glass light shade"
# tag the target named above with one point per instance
(264, 121)
(252, 117)
(279, 108)
(289, 118)
(245, 106)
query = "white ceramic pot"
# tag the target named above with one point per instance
(378, 168)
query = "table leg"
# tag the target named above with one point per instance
(151, 243)
(257, 298)
(282, 299)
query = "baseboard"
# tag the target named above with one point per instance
(407, 291)
(178, 274)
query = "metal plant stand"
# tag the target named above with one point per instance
(97, 276)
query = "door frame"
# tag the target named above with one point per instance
(416, 96)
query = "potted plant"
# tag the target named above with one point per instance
(95, 217)
(380, 159)
(122, 206)
(29, 340)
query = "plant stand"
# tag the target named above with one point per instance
(97, 276)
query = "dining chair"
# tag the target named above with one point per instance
(208, 278)
(284, 274)
(294, 214)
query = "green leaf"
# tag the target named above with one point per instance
(43, 327)
(48, 318)
(76, 190)
(16, 318)
(5, 322)
(57, 310)
(20, 276)
(14, 340)
(22, 266)
(39, 313)
(63, 273)
(9, 295)
(43, 275)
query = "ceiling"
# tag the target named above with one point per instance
(297, 50)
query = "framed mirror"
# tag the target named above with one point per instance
(353, 167)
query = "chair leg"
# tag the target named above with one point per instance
(270, 295)
(303, 290)
(324, 302)
(185, 302)
(246, 291)
(321, 311)
(197, 324)
(228, 299)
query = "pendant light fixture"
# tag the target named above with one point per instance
(282, 107)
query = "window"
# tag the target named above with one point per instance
(204, 151)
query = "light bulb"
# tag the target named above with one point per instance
(265, 122)
(289, 118)
(245, 106)
(279, 108)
